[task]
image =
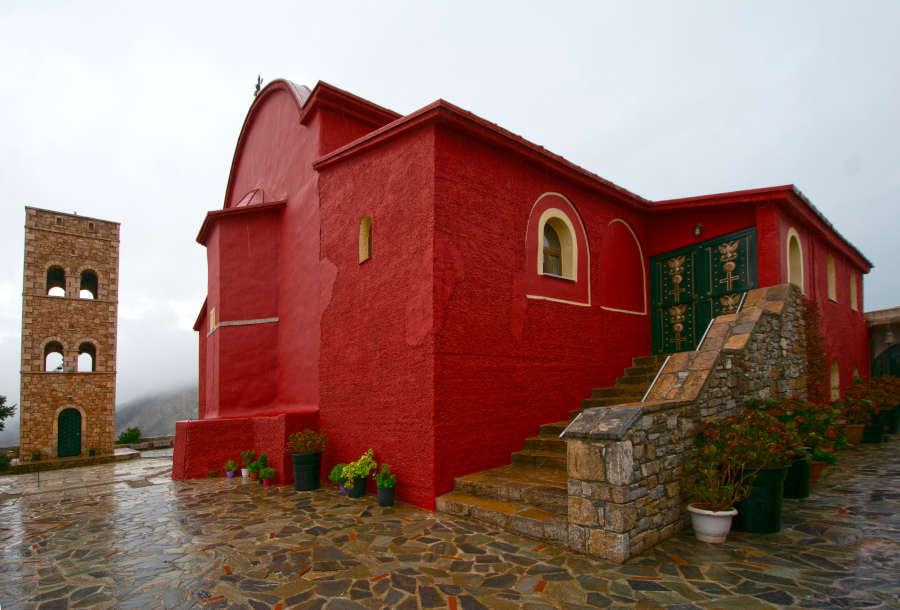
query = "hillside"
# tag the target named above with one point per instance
(156, 415)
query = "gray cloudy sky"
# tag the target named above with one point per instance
(130, 111)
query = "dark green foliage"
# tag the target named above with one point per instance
(132, 435)
(6, 411)
(337, 474)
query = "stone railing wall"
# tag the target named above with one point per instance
(625, 461)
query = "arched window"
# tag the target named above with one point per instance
(88, 285)
(835, 380)
(56, 282)
(795, 260)
(832, 281)
(559, 255)
(552, 251)
(854, 298)
(87, 356)
(365, 238)
(53, 357)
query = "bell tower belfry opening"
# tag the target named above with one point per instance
(70, 302)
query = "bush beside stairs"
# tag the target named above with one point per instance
(529, 496)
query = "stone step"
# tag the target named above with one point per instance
(634, 380)
(656, 360)
(520, 518)
(544, 488)
(553, 429)
(605, 392)
(548, 459)
(647, 371)
(611, 400)
(546, 442)
(590, 403)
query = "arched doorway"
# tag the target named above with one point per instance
(887, 362)
(69, 433)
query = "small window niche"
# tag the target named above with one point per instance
(88, 289)
(795, 260)
(56, 282)
(365, 239)
(87, 358)
(832, 281)
(53, 357)
(854, 296)
(835, 380)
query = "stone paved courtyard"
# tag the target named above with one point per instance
(126, 536)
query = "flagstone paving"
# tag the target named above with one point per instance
(126, 536)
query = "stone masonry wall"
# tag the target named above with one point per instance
(75, 244)
(625, 461)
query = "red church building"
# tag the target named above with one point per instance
(436, 287)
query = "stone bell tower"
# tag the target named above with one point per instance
(70, 293)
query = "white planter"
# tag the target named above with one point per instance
(245, 472)
(711, 525)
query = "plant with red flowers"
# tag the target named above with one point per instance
(716, 475)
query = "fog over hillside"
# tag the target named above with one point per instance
(153, 414)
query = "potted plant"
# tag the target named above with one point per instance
(337, 476)
(267, 474)
(253, 470)
(385, 482)
(764, 445)
(355, 473)
(246, 459)
(306, 449)
(230, 468)
(819, 460)
(718, 479)
(795, 416)
(856, 414)
(263, 461)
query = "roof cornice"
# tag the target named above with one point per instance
(216, 215)
(326, 96)
(787, 196)
(446, 114)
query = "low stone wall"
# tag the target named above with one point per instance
(625, 461)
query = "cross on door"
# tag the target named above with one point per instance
(729, 279)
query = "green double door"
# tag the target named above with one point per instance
(69, 433)
(692, 285)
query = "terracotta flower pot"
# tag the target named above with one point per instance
(711, 525)
(853, 433)
(254, 474)
(815, 471)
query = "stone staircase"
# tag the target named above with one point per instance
(529, 496)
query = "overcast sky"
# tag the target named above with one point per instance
(130, 112)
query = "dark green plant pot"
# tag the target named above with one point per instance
(385, 496)
(796, 483)
(760, 513)
(893, 418)
(358, 490)
(873, 433)
(306, 470)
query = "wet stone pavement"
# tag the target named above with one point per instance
(126, 536)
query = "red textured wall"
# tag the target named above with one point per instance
(846, 334)
(205, 445)
(262, 266)
(504, 363)
(377, 356)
